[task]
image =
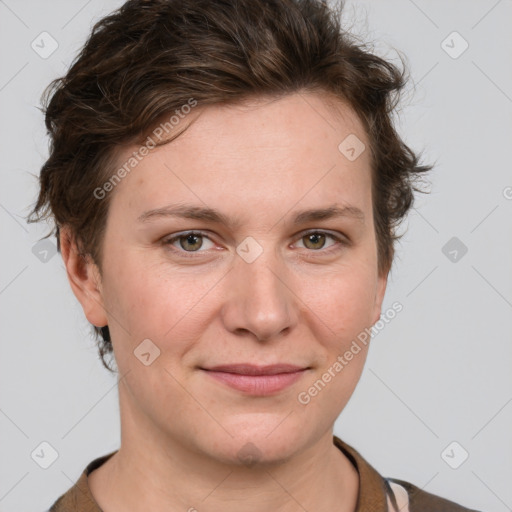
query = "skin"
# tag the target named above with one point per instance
(299, 302)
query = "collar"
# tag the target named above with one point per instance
(371, 495)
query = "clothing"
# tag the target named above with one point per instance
(376, 493)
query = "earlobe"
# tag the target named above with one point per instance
(380, 291)
(84, 279)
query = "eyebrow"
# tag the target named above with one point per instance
(214, 216)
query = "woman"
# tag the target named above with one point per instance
(226, 181)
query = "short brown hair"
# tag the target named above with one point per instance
(149, 57)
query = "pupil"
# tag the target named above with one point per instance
(191, 239)
(315, 237)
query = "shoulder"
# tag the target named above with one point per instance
(380, 494)
(79, 498)
(419, 500)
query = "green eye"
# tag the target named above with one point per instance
(193, 242)
(188, 242)
(316, 240)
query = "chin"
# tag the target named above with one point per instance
(259, 443)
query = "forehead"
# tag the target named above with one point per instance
(290, 121)
(256, 153)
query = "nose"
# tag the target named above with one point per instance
(259, 298)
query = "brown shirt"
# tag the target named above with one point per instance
(375, 491)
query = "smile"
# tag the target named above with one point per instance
(257, 380)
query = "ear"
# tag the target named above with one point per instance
(84, 278)
(380, 291)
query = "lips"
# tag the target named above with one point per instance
(250, 369)
(256, 380)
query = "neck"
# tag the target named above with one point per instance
(170, 475)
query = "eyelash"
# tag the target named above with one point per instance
(341, 242)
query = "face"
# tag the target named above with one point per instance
(210, 253)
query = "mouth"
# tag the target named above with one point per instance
(257, 380)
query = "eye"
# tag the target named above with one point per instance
(315, 240)
(191, 241)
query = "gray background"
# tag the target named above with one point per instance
(438, 373)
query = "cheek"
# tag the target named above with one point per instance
(344, 301)
(343, 311)
(148, 300)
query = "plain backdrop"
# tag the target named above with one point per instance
(439, 373)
